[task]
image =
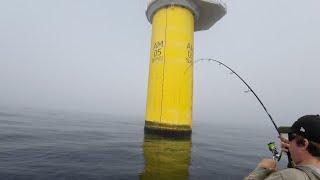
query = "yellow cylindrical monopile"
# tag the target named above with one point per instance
(169, 101)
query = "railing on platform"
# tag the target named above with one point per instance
(216, 1)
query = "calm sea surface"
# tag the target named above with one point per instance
(62, 145)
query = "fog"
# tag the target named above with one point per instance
(93, 56)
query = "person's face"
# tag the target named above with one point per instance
(295, 149)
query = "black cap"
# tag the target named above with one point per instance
(307, 126)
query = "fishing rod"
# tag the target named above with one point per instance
(272, 147)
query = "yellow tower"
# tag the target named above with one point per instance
(170, 86)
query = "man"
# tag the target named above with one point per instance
(304, 145)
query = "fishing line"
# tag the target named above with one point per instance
(250, 90)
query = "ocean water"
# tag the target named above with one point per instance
(50, 144)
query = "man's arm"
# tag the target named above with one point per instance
(259, 174)
(263, 170)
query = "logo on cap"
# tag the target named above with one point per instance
(302, 129)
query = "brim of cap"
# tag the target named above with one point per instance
(283, 129)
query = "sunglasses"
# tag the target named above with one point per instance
(291, 136)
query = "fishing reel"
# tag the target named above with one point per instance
(274, 150)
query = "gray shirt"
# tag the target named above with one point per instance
(298, 173)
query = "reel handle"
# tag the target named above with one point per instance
(274, 150)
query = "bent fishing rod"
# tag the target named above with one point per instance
(272, 147)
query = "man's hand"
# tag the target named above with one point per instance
(284, 144)
(268, 164)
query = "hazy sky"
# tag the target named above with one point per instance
(93, 56)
